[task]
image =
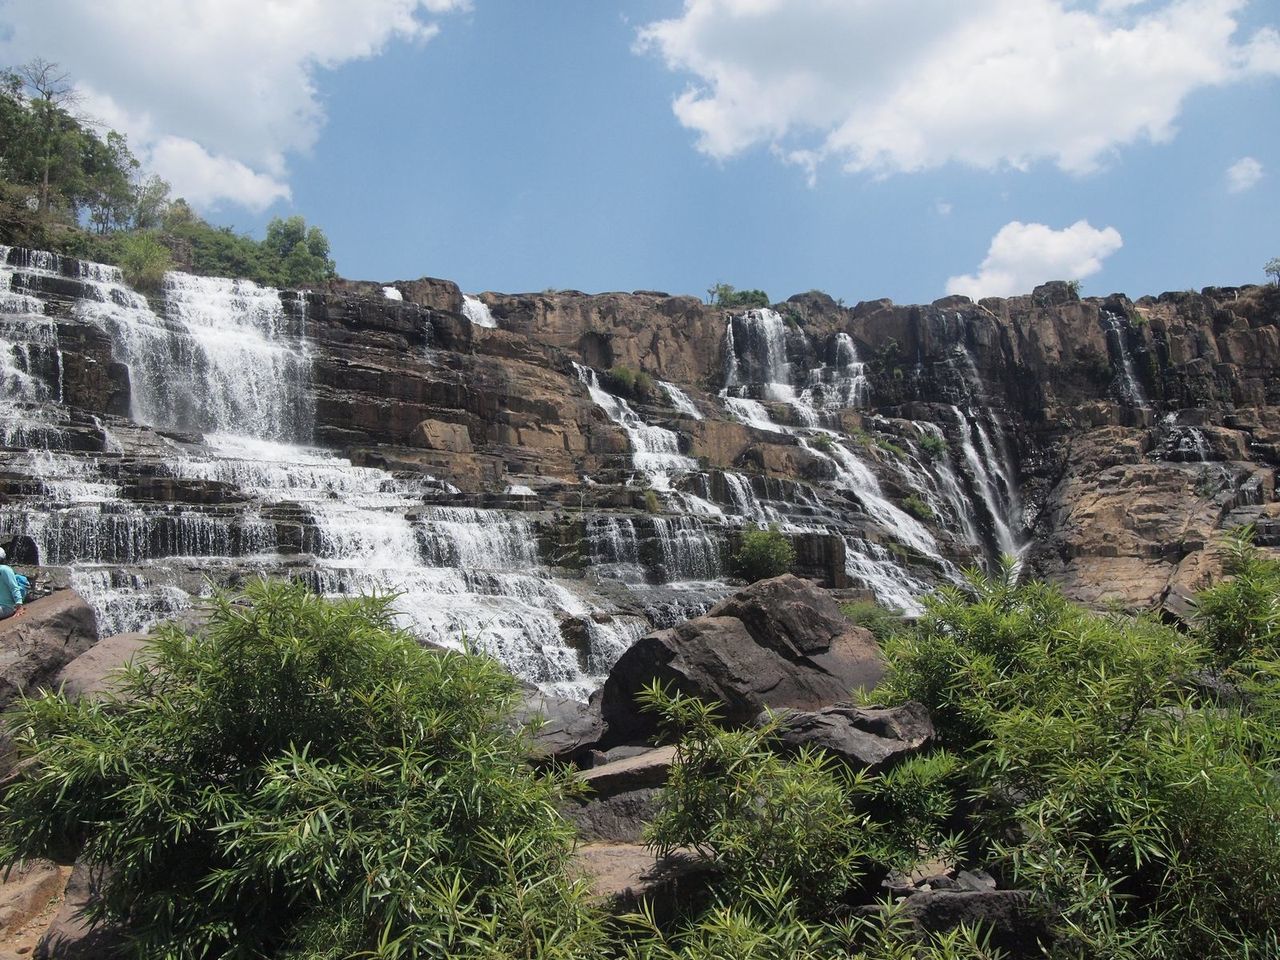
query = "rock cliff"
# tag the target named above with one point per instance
(489, 459)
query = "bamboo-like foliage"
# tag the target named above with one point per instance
(301, 779)
(1101, 775)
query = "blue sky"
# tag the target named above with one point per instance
(901, 148)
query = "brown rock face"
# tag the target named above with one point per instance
(37, 644)
(778, 643)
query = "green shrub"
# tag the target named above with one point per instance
(934, 446)
(867, 613)
(1239, 618)
(651, 502)
(1147, 815)
(634, 385)
(143, 260)
(763, 554)
(917, 508)
(726, 295)
(302, 779)
(823, 441)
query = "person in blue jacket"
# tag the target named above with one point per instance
(11, 595)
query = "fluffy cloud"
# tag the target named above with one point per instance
(903, 85)
(1243, 175)
(1023, 255)
(214, 95)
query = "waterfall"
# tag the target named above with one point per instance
(1116, 327)
(840, 385)
(232, 360)
(478, 312)
(1183, 443)
(391, 293)
(689, 552)
(655, 451)
(993, 481)
(680, 400)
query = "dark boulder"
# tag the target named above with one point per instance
(863, 737)
(778, 643)
(1017, 924)
(560, 728)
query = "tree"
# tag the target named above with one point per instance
(1272, 270)
(52, 94)
(302, 779)
(726, 295)
(300, 255)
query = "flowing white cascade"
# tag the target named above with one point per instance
(655, 451)
(1116, 329)
(231, 360)
(1184, 443)
(689, 552)
(615, 548)
(840, 385)
(478, 312)
(747, 504)
(993, 481)
(391, 293)
(681, 400)
(949, 489)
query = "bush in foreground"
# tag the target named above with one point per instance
(1099, 777)
(303, 780)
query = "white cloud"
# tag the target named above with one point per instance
(943, 208)
(1243, 175)
(903, 85)
(1023, 255)
(215, 95)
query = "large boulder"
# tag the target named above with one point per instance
(865, 738)
(777, 643)
(561, 728)
(1017, 923)
(38, 643)
(91, 673)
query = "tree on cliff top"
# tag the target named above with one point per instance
(1272, 270)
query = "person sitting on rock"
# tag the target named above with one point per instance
(11, 594)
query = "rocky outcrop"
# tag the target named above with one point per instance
(36, 644)
(865, 738)
(779, 643)
(92, 674)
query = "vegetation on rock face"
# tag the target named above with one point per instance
(67, 188)
(632, 384)
(763, 554)
(302, 779)
(934, 446)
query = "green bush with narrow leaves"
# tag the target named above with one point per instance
(1101, 778)
(301, 779)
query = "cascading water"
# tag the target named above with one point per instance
(993, 482)
(680, 400)
(231, 360)
(1115, 326)
(655, 451)
(478, 312)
